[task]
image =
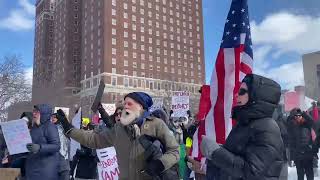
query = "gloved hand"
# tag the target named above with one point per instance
(154, 168)
(33, 148)
(208, 146)
(100, 106)
(151, 146)
(64, 121)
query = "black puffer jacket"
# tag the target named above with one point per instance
(253, 150)
(282, 123)
(300, 138)
(85, 161)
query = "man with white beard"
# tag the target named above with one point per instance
(135, 123)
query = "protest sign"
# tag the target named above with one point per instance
(64, 109)
(98, 97)
(9, 173)
(74, 145)
(110, 108)
(157, 104)
(180, 103)
(108, 168)
(16, 135)
(291, 100)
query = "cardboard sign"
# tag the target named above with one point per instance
(110, 108)
(108, 168)
(157, 104)
(16, 135)
(74, 145)
(97, 100)
(9, 173)
(64, 109)
(180, 104)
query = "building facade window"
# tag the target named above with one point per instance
(114, 22)
(113, 81)
(126, 82)
(114, 71)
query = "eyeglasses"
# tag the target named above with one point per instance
(242, 91)
(35, 111)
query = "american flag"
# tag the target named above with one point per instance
(234, 61)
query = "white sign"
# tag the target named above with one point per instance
(157, 104)
(74, 145)
(108, 168)
(110, 108)
(180, 103)
(16, 135)
(64, 109)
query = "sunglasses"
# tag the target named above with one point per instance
(35, 111)
(297, 115)
(242, 92)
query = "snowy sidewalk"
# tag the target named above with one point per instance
(293, 174)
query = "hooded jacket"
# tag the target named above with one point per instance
(253, 149)
(45, 163)
(300, 138)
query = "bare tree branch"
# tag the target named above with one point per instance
(13, 86)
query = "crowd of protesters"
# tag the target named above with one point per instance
(153, 145)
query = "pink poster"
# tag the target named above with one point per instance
(291, 100)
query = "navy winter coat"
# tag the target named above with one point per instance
(45, 163)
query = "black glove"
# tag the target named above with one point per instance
(152, 148)
(33, 148)
(64, 121)
(154, 168)
(104, 116)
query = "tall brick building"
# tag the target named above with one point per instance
(43, 48)
(154, 46)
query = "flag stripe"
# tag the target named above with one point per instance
(219, 105)
(246, 59)
(245, 68)
(231, 59)
(195, 144)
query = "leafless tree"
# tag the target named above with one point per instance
(13, 84)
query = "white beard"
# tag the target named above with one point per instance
(127, 117)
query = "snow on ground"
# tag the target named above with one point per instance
(292, 173)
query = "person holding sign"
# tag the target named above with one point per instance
(135, 122)
(43, 159)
